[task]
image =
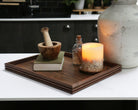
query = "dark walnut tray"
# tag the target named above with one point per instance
(70, 79)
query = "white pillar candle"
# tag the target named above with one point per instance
(92, 57)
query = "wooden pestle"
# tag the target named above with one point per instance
(46, 36)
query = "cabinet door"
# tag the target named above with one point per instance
(87, 29)
(10, 37)
(31, 36)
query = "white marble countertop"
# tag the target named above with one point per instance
(72, 18)
(121, 86)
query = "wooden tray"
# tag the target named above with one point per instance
(70, 79)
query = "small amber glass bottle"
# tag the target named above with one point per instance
(76, 51)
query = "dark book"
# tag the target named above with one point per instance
(41, 64)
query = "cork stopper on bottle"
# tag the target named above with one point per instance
(78, 37)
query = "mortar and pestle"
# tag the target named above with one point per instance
(49, 49)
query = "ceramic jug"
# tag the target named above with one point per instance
(118, 31)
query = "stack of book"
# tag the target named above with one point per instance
(41, 64)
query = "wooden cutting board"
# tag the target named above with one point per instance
(70, 79)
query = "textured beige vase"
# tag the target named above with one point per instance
(118, 31)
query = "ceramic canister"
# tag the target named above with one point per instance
(118, 31)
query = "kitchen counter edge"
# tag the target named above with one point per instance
(72, 18)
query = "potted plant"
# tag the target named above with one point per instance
(106, 3)
(90, 4)
(68, 6)
(79, 4)
(70, 2)
(97, 4)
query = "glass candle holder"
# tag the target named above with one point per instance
(92, 57)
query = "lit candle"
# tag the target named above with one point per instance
(92, 57)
